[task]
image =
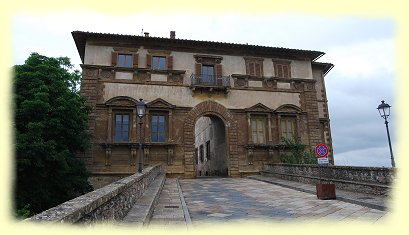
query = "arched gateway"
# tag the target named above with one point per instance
(204, 108)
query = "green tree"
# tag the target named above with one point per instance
(50, 122)
(298, 154)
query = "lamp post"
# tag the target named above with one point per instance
(140, 109)
(384, 111)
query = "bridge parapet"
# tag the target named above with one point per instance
(372, 180)
(111, 202)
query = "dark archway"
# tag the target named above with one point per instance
(210, 147)
(210, 108)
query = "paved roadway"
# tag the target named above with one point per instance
(219, 200)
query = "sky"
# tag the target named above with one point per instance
(361, 48)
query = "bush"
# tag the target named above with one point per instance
(298, 154)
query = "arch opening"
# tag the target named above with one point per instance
(210, 146)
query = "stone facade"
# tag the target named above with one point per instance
(257, 94)
(372, 180)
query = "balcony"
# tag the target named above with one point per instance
(210, 83)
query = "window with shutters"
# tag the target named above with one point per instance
(158, 128)
(258, 130)
(208, 71)
(124, 59)
(254, 67)
(288, 127)
(282, 69)
(159, 61)
(121, 127)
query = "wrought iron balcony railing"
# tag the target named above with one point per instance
(210, 81)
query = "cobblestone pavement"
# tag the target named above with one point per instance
(213, 200)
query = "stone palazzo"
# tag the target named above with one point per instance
(212, 108)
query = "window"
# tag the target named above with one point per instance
(282, 69)
(124, 60)
(158, 128)
(121, 127)
(208, 150)
(208, 73)
(201, 153)
(254, 67)
(159, 63)
(288, 127)
(196, 156)
(258, 130)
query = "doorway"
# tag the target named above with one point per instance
(210, 147)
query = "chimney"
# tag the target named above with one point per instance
(146, 34)
(172, 34)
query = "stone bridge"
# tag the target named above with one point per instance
(281, 192)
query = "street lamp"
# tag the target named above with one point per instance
(384, 111)
(140, 109)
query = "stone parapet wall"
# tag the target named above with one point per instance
(372, 180)
(111, 202)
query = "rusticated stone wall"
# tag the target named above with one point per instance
(111, 202)
(373, 180)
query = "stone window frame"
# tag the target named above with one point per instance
(288, 111)
(259, 118)
(259, 110)
(277, 63)
(121, 105)
(125, 105)
(286, 119)
(160, 107)
(253, 62)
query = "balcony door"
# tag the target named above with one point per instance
(208, 74)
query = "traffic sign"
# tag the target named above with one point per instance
(321, 150)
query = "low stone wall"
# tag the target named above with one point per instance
(372, 180)
(111, 202)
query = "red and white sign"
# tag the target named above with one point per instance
(321, 150)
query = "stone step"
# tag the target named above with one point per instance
(141, 213)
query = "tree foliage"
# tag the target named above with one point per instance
(298, 154)
(50, 122)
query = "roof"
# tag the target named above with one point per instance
(81, 37)
(326, 67)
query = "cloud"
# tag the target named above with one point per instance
(375, 157)
(365, 59)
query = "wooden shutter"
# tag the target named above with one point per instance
(219, 72)
(251, 68)
(257, 69)
(114, 58)
(279, 70)
(286, 72)
(148, 61)
(198, 68)
(135, 60)
(170, 62)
